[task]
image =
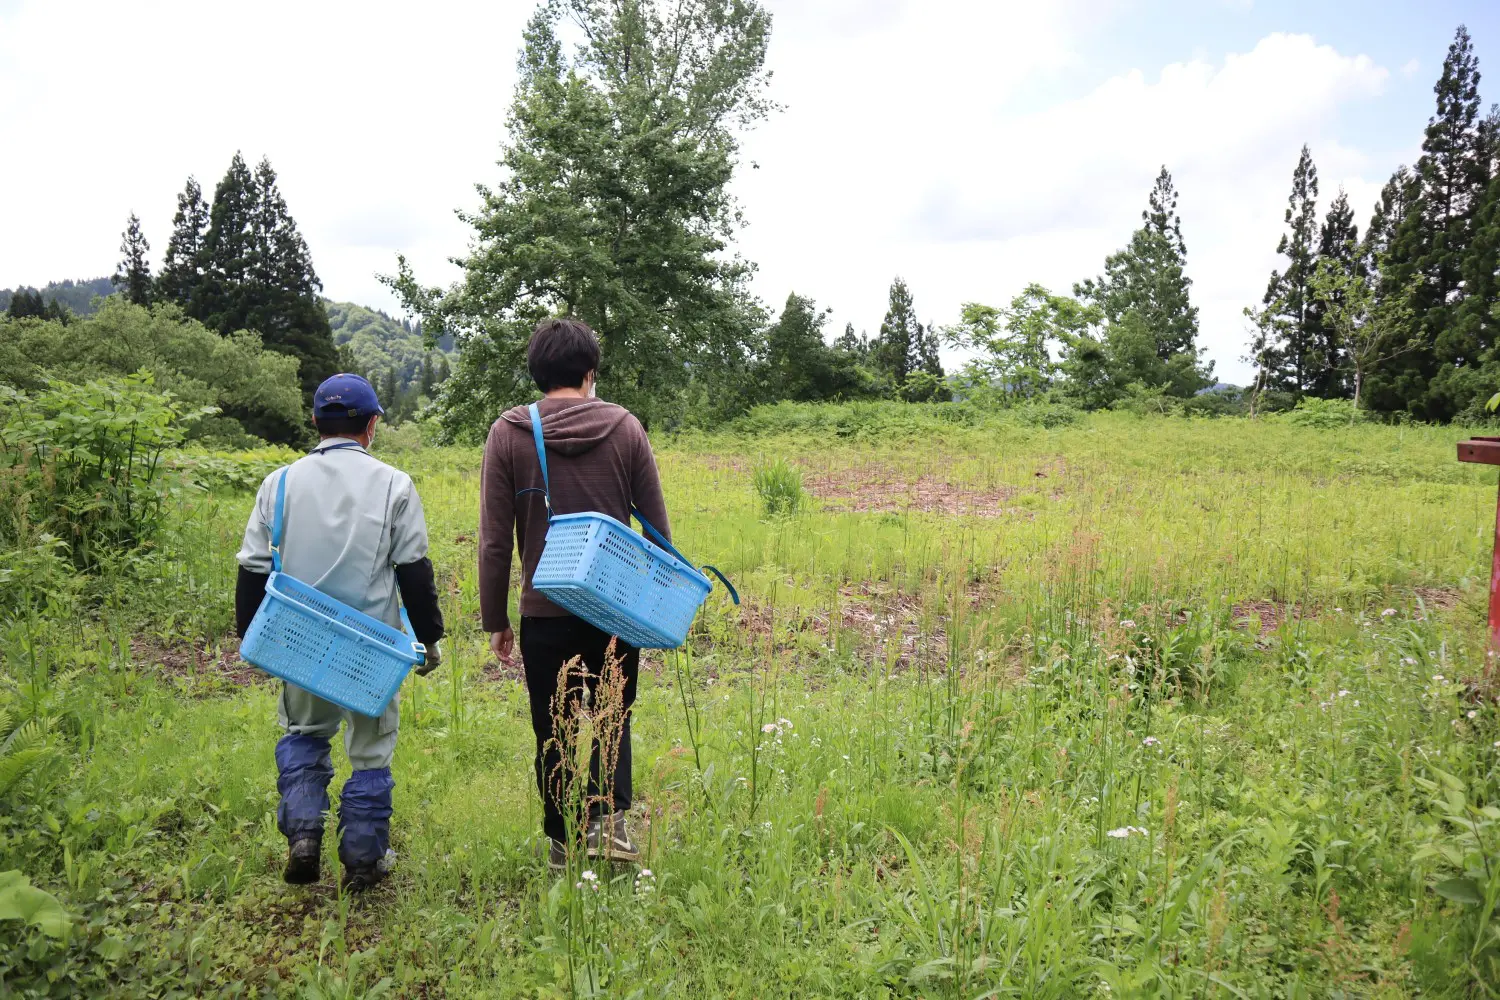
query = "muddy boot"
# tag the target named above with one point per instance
(304, 862)
(358, 878)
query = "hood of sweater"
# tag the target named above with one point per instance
(571, 426)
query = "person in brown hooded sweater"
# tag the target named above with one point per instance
(599, 460)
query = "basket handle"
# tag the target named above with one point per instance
(660, 539)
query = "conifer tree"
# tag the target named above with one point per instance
(1294, 360)
(181, 278)
(282, 295)
(241, 264)
(1146, 279)
(894, 347)
(229, 250)
(133, 275)
(1338, 250)
(1427, 253)
(428, 380)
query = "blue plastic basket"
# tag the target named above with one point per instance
(322, 645)
(616, 580)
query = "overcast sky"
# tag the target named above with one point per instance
(968, 146)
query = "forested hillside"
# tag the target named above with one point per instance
(379, 346)
(76, 296)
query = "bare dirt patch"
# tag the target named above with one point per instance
(883, 625)
(1271, 614)
(201, 664)
(884, 489)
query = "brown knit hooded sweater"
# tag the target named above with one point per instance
(598, 459)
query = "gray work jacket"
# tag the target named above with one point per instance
(350, 520)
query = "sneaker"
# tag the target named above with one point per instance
(304, 862)
(612, 841)
(557, 855)
(358, 878)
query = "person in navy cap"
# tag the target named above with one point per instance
(353, 528)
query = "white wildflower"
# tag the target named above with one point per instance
(1344, 693)
(785, 723)
(1437, 678)
(1120, 833)
(1388, 612)
(1473, 713)
(1127, 623)
(1150, 741)
(769, 727)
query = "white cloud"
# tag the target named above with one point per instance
(379, 116)
(925, 139)
(971, 200)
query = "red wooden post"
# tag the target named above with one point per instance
(1486, 451)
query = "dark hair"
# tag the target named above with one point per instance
(342, 426)
(562, 351)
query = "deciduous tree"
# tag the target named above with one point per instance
(614, 207)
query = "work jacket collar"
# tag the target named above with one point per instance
(341, 443)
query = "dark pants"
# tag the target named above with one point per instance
(546, 644)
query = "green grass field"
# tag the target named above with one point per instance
(1135, 708)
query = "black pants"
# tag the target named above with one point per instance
(547, 644)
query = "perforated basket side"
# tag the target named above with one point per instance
(618, 581)
(288, 641)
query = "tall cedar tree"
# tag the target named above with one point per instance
(1338, 245)
(241, 264)
(615, 207)
(906, 353)
(181, 277)
(1479, 316)
(1429, 248)
(133, 275)
(1147, 278)
(1296, 362)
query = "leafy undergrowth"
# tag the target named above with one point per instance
(1000, 760)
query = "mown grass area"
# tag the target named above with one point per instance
(1130, 707)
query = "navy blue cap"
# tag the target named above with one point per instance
(346, 395)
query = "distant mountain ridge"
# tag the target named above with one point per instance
(377, 342)
(78, 296)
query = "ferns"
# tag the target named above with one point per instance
(26, 747)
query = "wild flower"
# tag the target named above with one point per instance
(645, 882)
(1344, 693)
(589, 879)
(1473, 713)
(1410, 661)
(1120, 833)
(1150, 741)
(1437, 678)
(1388, 612)
(1127, 623)
(769, 727)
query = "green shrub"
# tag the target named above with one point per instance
(256, 390)
(1324, 414)
(780, 488)
(84, 464)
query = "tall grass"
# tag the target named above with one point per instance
(1135, 722)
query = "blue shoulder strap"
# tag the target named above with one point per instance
(541, 456)
(651, 532)
(276, 521)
